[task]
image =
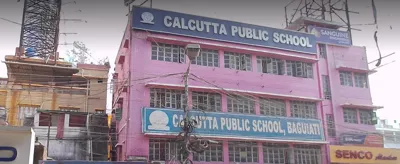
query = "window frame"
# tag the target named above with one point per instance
(301, 152)
(169, 150)
(331, 127)
(323, 53)
(238, 61)
(299, 69)
(177, 52)
(326, 87)
(366, 116)
(273, 152)
(235, 147)
(275, 66)
(272, 107)
(346, 78)
(215, 149)
(213, 101)
(23, 114)
(205, 56)
(349, 118)
(173, 98)
(234, 104)
(361, 80)
(303, 109)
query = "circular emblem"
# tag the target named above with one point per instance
(158, 121)
(315, 32)
(147, 17)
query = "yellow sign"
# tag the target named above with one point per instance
(364, 155)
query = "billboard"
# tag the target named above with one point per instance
(330, 36)
(221, 30)
(365, 155)
(371, 140)
(230, 125)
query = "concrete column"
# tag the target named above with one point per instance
(221, 57)
(291, 153)
(260, 153)
(224, 103)
(257, 105)
(288, 112)
(225, 151)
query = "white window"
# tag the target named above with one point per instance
(69, 109)
(270, 65)
(350, 115)
(99, 111)
(243, 152)
(330, 125)
(365, 117)
(210, 102)
(361, 80)
(214, 153)
(166, 98)
(322, 50)
(303, 109)
(26, 114)
(208, 58)
(299, 69)
(241, 104)
(327, 87)
(167, 52)
(346, 78)
(307, 154)
(275, 153)
(164, 150)
(238, 61)
(272, 107)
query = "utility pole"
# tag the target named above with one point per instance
(192, 51)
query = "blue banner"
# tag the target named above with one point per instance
(331, 36)
(229, 125)
(371, 139)
(221, 30)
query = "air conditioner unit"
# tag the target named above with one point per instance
(157, 162)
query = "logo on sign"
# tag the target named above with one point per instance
(316, 32)
(7, 150)
(158, 121)
(147, 18)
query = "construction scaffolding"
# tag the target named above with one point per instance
(332, 11)
(40, 28)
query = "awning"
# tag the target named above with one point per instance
(274, 95)
(353, 69)
(360, 106)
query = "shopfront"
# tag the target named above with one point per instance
(363, 155)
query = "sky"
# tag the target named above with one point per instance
(104, 21)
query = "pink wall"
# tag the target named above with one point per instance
(138, 62)
(355, 58)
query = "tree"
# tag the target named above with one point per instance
(80, 54)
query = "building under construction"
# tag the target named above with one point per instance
(64, 104)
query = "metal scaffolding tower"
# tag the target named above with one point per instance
(40, 28)
(326, 10)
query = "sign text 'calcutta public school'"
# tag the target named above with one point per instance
(222, 30)
(167, 121)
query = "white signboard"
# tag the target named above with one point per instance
(17, 145)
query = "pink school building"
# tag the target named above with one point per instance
(268, 95)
